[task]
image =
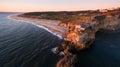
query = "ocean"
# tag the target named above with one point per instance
(24, 44)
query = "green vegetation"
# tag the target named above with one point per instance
(62, 16)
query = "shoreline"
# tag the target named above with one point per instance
(51, 26)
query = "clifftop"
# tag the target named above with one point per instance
(70, 16)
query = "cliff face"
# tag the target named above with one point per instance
(82, 35)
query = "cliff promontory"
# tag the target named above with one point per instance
(82, 35)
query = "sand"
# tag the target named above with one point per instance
(52, 25)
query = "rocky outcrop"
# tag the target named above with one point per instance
(68, 61)
(82, 35)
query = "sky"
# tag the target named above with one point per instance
(55, 5)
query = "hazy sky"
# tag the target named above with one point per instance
(55, 5)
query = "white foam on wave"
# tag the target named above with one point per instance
(61, 53)
(38, 26)
(53, 50)
(48, 30)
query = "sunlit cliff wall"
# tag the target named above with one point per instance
(82, 35)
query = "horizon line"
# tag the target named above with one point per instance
(61, 10)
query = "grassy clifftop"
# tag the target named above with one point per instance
(61, 16)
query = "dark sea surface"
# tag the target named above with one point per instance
(26, 45)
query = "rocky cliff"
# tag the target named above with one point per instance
(82, 35)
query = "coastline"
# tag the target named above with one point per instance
(78, 38)
(51, 26)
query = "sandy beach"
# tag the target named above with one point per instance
(52, 25)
